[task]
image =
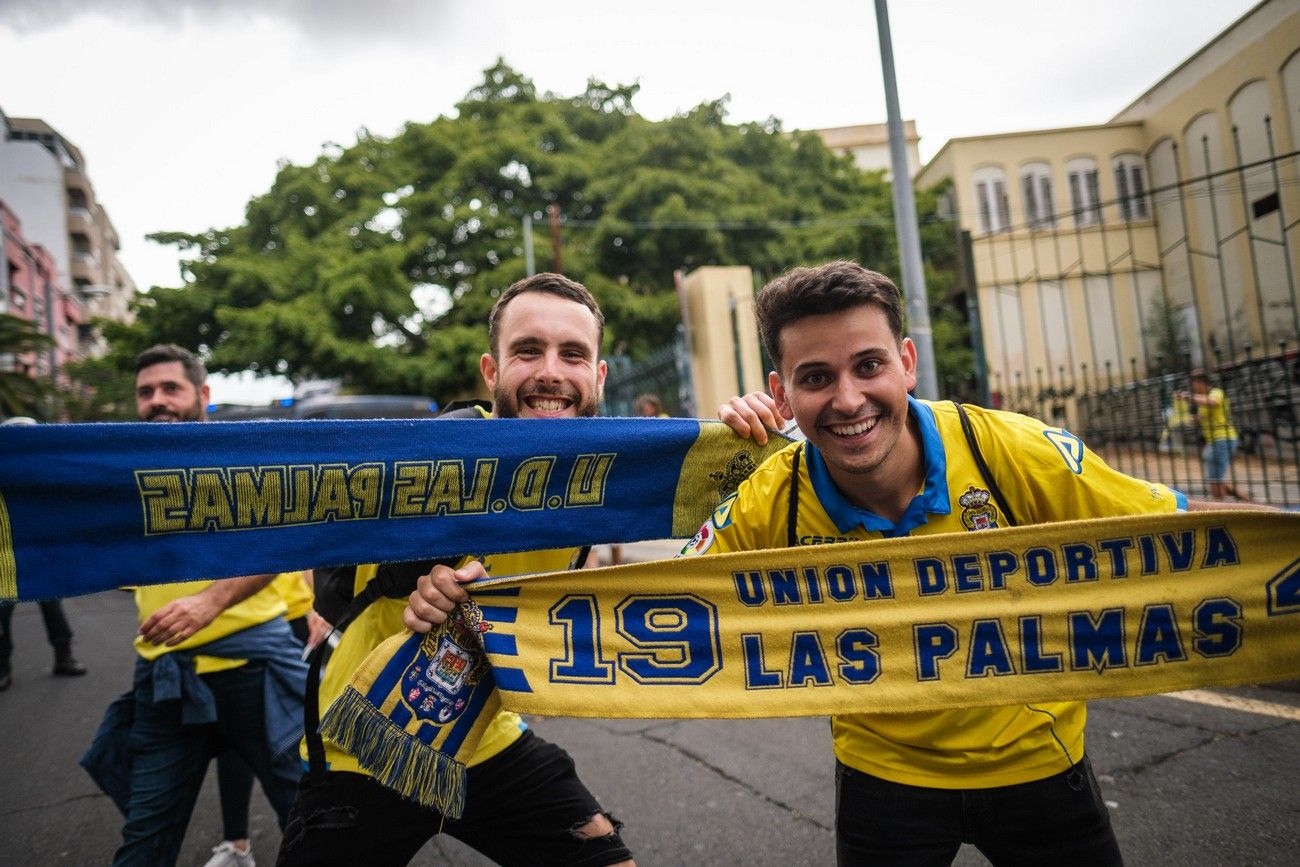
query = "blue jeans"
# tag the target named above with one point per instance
(1217, 455)
(169, 761)
(1058, 820)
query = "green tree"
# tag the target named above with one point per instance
(377, 263)
(21, 393)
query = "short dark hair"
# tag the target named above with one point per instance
(162, 353)
(828, 288)
(554, 284)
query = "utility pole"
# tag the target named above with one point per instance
(530, 262)
(553, 211)
(909, 242)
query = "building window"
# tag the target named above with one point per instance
(1131, 188)
(77, 198)
(991, 199)
(1036, 187)
(1085, 191)
(80, 243)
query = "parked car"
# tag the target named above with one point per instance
(335, 406)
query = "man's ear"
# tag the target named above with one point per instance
(602, 370)
(907, 353)
(487, 365)
(775, 386)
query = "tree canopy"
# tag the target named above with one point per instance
(377, 263)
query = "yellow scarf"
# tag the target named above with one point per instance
(1069, 611)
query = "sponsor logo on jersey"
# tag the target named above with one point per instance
(1070, 447)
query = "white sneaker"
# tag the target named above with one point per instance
(224, 854)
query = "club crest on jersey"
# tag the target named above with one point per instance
(977, 513)
(437, 685)
(737, 470)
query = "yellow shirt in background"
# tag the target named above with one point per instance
(294, 590)
(266, 604)
(1216, 417)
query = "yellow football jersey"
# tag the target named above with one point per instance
(382, 619)
(296, 593)
(262, 606)
(1047, 474)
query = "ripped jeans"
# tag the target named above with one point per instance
(524, 807)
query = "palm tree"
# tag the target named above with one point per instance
(20, 393)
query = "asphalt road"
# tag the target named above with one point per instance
(1188, 782)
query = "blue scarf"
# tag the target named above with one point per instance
(156, 503)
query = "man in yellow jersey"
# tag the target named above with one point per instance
(1220, 436)
(217, 668)
(912, 787)
(525, 803)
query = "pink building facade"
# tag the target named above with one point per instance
(30, 289)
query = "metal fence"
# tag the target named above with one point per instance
(1143, 426)
(1094, 318)
(658, 375)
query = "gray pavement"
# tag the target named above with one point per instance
(1187, 783)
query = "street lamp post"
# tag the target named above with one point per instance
(905, 224)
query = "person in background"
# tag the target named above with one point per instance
(650, 406)
(57, 629)
(217, 668)
(1220, 435)
(234, 776)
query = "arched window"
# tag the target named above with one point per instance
(1036, 187)
(991, 199)
(1085, 191)
(1131, 187)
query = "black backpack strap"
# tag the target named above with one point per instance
(982, 465)
(392, 581)
(792, 517)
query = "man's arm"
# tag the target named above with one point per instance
(181, 618)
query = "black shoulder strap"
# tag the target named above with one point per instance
(792, 518)
(393, 581)
(981, 464)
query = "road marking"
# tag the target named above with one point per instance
(1232, 702)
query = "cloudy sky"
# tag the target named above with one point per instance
(182, 108)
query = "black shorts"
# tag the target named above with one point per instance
(523, 807)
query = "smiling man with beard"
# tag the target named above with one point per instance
(525, 803)
(228, 652)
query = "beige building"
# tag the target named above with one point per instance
(43, 180)
(1179, 209)
(868, 144)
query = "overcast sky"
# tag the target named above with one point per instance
(182, 108)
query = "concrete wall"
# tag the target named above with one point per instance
(713, 294)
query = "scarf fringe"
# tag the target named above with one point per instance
(396, 759)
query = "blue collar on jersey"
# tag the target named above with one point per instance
(933, 499)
